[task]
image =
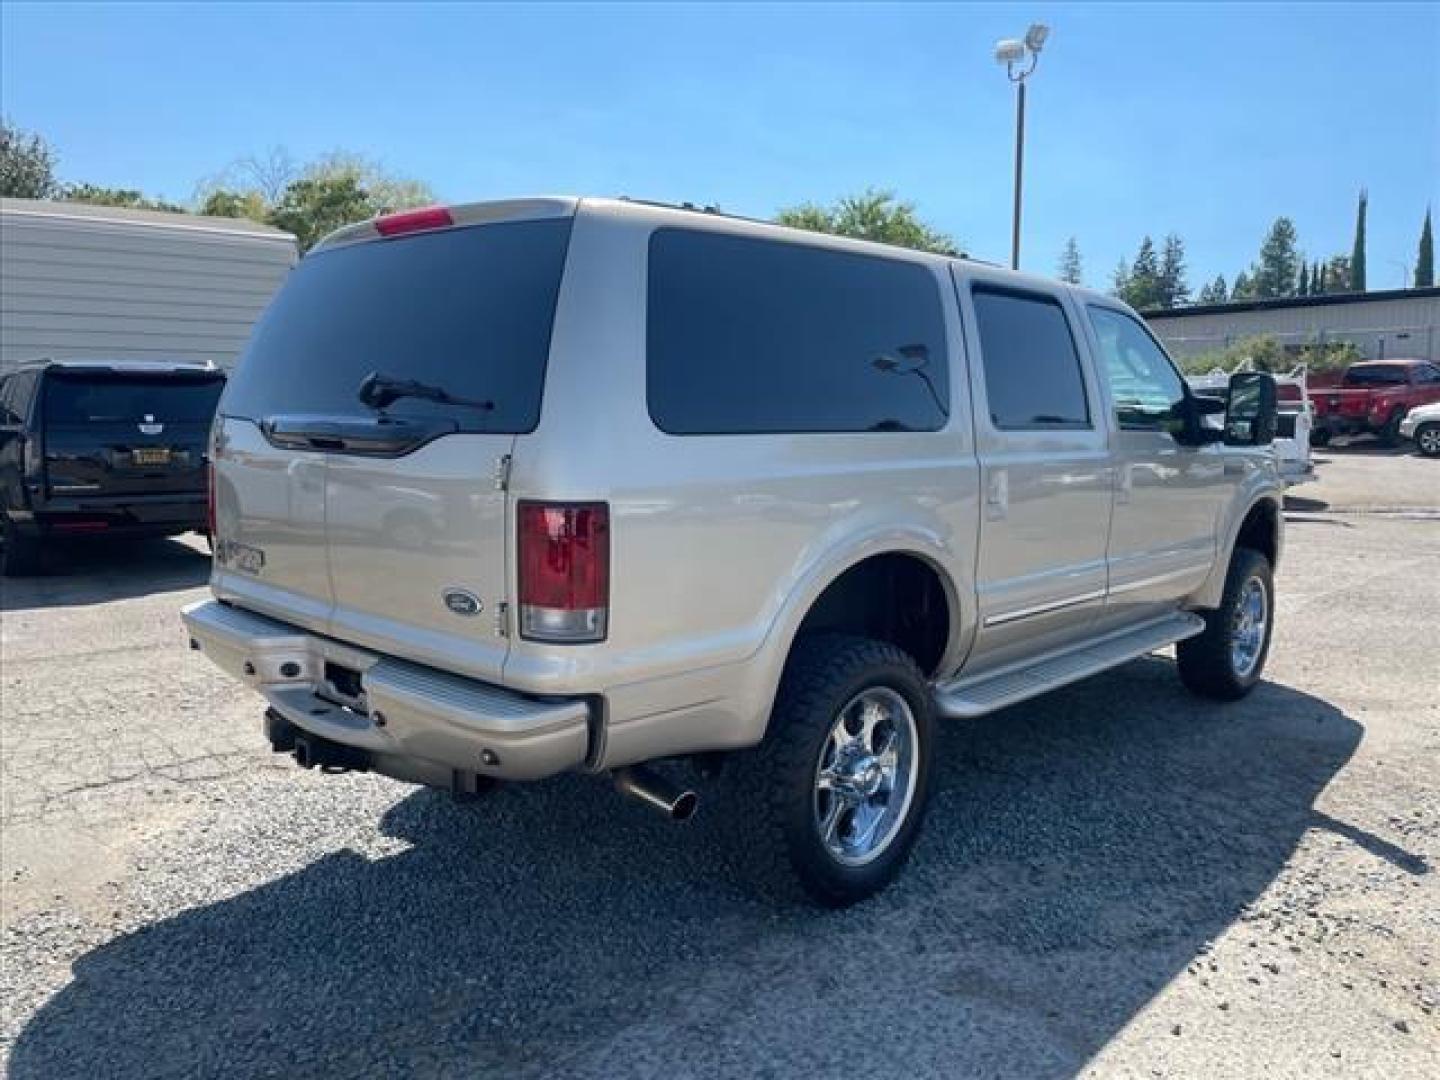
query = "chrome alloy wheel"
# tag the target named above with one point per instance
(866, 776)
(1429, 440)
(1247, 630)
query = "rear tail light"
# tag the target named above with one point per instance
(408, 221)
(564, 571)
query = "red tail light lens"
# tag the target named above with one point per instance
(564, 571)
(408, 221)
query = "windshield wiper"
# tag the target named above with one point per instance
(380, 391)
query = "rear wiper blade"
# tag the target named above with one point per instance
(380, 391)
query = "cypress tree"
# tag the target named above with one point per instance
(1303, 288)
(1425, 262)
(1357, 253)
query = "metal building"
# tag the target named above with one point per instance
(1391, 323)
(110, 283)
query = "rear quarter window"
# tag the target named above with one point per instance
(749, 336)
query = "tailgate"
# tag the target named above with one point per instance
(1336, 402)
(364, 429)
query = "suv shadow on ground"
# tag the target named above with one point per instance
(1080, 853)
(93, 572)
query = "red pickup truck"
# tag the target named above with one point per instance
(1372, 398)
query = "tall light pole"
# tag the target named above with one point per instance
(1019, 57)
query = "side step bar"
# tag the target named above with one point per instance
(978, 695)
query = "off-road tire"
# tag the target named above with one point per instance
(1207, 667)
(20, 555)
(1427, 440)
(777, 781)
(1320, 437)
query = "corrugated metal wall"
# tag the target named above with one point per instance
(1406, 327)
(90, 282)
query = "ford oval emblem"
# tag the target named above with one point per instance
(462, 602)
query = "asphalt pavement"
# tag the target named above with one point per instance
(1115, 880)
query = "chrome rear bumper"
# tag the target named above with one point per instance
(414, 722)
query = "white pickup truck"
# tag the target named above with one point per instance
(1294, 423)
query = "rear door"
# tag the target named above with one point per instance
(1046, 475)
(400, 501)
(123, 432)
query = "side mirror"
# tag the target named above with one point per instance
(1191, 423)
(1251, 410)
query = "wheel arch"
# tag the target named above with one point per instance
(1261, 527)
(921, 554)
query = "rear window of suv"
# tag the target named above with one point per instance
(752, 336)
(466, 310)
(101, 397)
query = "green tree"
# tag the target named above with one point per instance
(1303, 288)
(1317, 278)
(338, 190)
(1425, 260)
(1243, 289)
(1174, 289)
(27, 164)
(1120, 279)
(1357, 252)
(96, 195)
(1142, 287)
(1337, 275)
(235, 204)
(1279, 261)
(1070, 268)
(871, 215)
(1216, 292)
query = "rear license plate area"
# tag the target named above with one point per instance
(150, 455)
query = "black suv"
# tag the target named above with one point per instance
(101, 448)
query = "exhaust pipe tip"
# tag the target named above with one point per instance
(659, 794)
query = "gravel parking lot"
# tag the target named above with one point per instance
(1115, 880)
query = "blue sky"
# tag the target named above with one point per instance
(1208, 120)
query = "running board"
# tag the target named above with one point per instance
(965, 698)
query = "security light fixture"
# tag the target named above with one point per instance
(1009, 51)
(1035, 36)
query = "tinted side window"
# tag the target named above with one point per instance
(1032, 369)
(1145, 385)
(15, 392)
(1427, 374)
(750, 335)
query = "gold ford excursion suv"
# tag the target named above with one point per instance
(519, 488)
